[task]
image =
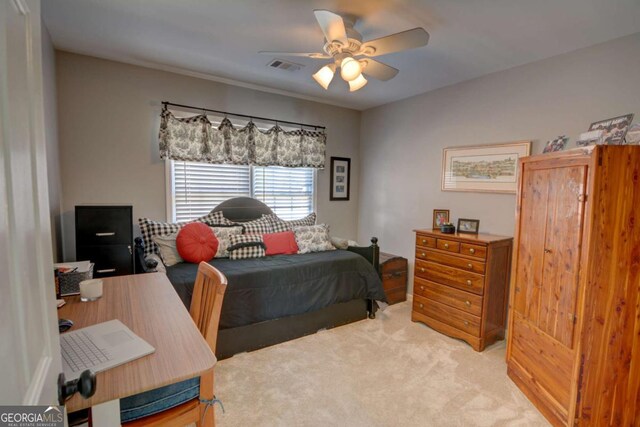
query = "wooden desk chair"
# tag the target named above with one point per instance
(206, 304)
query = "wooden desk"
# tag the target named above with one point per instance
(150, 307)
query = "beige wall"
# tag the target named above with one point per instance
(108, 125)
(401, 143)
(51, 139)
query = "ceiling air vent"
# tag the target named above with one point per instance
(281, 64)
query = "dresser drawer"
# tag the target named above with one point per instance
(473, 250)
(448, 245)
(465, 301)
(451, 260)
(458, 319)
(110, 260)
(103, 225)
(460, 279)
(425, 241)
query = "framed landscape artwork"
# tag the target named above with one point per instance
(340, 178)
(483, 168)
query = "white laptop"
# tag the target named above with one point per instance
(100, 347)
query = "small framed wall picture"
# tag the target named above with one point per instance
(468, 225)
(440, 217)
(340, 178)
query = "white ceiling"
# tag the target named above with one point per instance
(220, 39)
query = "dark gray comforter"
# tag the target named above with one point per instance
(277, 286)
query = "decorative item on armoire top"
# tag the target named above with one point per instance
(470, 226)
(614, 129)
(593, 137)
(340, 178)
(440, 217)
(557, 144)
(633, 135)
(448, 228)
(489, 168)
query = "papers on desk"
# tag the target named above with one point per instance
(79, 267)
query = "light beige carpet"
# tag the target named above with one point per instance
(383, 372)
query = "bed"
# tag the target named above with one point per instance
(278, 298)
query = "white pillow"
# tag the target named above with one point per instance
(166, 244)
(224, 238)
(313, 238)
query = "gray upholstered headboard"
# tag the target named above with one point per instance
(243, 209)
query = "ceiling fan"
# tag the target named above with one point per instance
(354, 57)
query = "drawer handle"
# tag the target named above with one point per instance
(470, 265)
(547, 251)
(446, 246)
(468, 303)
(469, 282)
(422, 269)
(421, 305)
(107, 234)
(106, 270)
(424, 241)
(423, 255)
(422, 287)
(471, 250)
(466, 323)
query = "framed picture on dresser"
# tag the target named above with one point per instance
(491, 168)
(340, 178)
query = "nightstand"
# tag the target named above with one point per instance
(393, 269)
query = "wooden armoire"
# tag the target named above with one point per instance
(574, 310)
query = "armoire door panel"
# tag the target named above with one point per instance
(548, 362)
(530, 248)
(563, 238)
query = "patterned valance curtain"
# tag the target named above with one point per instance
(196, 139)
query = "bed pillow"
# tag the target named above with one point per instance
(196, 242)
(280, 243)
(224, 235)
(283, 225)
(168, 249)
(246, 246)
(149, 228)
(313, 238)
(257, 226)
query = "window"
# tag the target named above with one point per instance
(196, 188)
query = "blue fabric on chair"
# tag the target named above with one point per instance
(158, 400)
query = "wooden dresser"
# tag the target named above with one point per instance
(393, 269)
(574, 319)
(460, 285)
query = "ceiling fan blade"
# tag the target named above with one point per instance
(405, 40)
(308, 55)
(332, 26)
(378, 70)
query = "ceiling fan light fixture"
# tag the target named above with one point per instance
(350, 69)
(357, 83)
(324, 75)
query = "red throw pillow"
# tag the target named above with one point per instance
(196, 242)
(280, 243)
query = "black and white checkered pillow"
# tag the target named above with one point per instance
(246, 246)
(149, 228)
(284, 225)
(258, 226)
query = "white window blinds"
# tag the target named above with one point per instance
(287, 191)
(196, 188)
(199, 187)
